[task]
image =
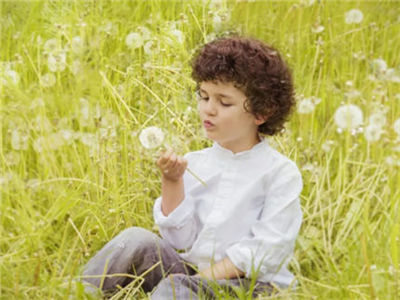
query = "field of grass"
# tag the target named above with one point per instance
(79, 80)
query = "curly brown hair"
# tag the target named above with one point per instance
(255, 68)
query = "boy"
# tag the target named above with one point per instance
(244, 222)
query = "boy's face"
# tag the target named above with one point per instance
(221, 109)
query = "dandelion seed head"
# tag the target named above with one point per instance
(348, 116)
(38, 144)
(327, 146)
(379, 65)
(75, 67)
(373, 133)
(151, 137)
(51, 46)
(396, 127)
(134, 40)
(377, 119)
(352, 94)
(178, 35)
(317, 29)
(354, 16)
(19, 141)
(77, 45)
(48, 80)
(56, 62)
(10, 77)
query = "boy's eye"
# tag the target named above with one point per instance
(226, 104)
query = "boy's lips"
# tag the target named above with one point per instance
(208, 124)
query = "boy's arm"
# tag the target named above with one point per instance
(224, 269)
(172, 167)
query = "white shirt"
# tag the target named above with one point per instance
(249, 211)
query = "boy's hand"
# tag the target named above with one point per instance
(171, 165)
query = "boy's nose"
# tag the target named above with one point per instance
(210, 108)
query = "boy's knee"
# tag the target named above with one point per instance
(137, 237)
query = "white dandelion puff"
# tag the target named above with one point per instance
(396, 127)
(50, 46)
(373, 133)
(57, 62)
(352, 94)
(38, 144)
(151, 137)
(48, 80)
(379, 65)
(134, 40)
(11, 77)
(38, 102)
(19, 141)
(317, 29)
(377, 119)
(149, 47)
(178, 35)
(307, 105)
(348, 116)
(75, 67)
(354, 16)
(327, 145)
(77, 45)
(55, 141)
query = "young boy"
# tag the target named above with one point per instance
(243, 223)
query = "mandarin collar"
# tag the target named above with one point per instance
(224, 152)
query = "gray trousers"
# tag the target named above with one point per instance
(136, 251)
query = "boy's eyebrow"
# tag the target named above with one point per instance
(219, 94)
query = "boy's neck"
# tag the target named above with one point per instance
(236, 148)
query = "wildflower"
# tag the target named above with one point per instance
(57, 62)
(378, 119)
(51, 46)
(108, 28)
(379, 65)
(352, 94)
(134, 40)
(38, 144)
(178, 35)
(149, 47)
(18, 141)
(55, 141)
(373, 132)
(317, 28)
(151, 137)
(48, 80)
(353, 16)
(327, 145)
(77, 45)
(75, 67)
(145, 32)
(10, 76)
(38, 102)
(307, 105)
(348, 116)
(396, 127)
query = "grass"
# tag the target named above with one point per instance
(73, 173)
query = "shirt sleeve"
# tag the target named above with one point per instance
(270, 245)
(180, 227)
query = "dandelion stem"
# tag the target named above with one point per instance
(197, 177)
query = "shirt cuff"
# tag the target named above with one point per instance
(177, 218)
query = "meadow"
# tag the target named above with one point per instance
(79, 81)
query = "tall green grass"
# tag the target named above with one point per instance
(73, 173)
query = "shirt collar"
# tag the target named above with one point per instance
(223, 152)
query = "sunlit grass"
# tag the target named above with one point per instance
(73, 172)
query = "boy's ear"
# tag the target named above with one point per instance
(260, 120)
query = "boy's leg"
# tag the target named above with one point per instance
(133, 251)
(185, 287)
